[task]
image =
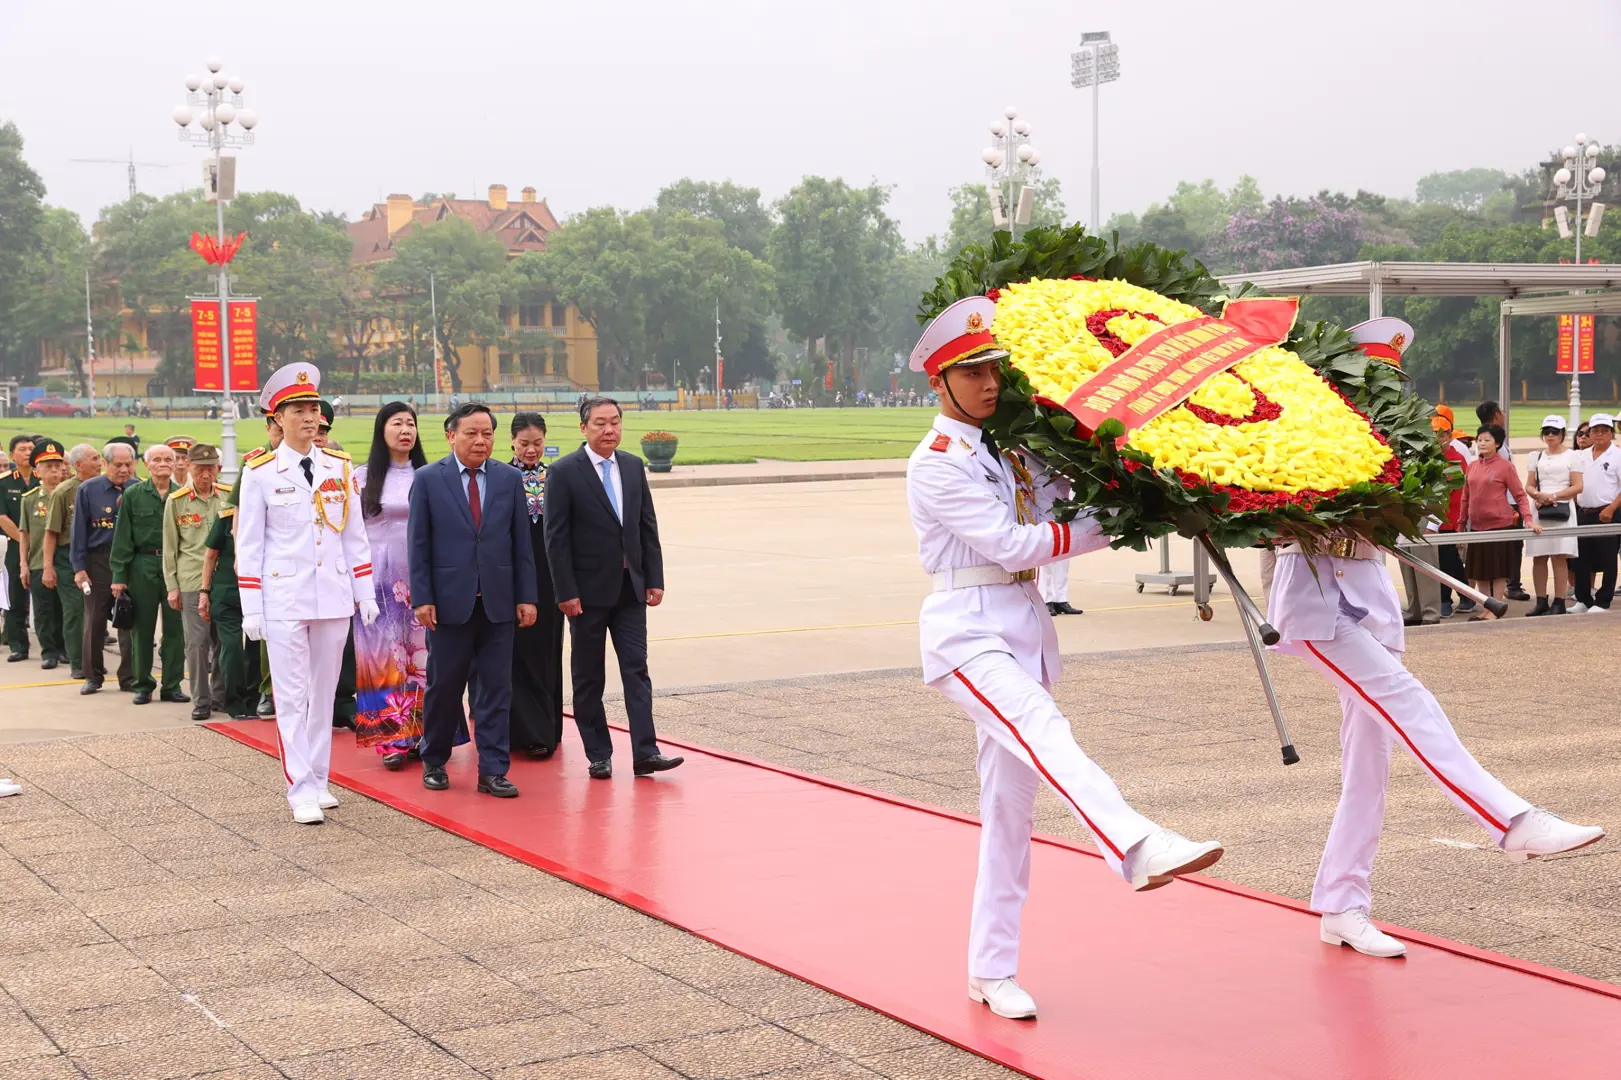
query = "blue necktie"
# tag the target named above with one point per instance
(608, 484)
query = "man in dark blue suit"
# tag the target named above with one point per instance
(472, 574)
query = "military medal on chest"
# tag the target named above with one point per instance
(332, 501)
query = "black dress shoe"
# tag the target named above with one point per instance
(126, 687)
(434, 778)
(48, 663)
(16, 656)
(344, 722)
(601, 770)
(1408, 620)
(394, 762)
(657, 763)
(499, 786)
(539, 752)
(415, 753)
(176, 696)
(76, 673)
(1063, 608)
(201, 712)
(91, 687)
(143, 697)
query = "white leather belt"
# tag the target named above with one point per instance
(1339, 547)
(971, 577)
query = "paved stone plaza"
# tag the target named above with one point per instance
(161, 916)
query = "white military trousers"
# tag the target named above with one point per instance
(1053, 580)
(306, 656)
(1384, 705)
(1024, 740)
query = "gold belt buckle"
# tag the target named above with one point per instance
(1343, 547)
(1024, 575)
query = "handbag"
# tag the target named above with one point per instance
(1559, 511)
(124, 611)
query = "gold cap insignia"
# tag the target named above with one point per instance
(303, 377)
(976, 322)
(1398, 341)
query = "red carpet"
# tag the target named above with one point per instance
(867, 896)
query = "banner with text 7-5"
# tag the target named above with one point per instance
(244, 345)
(208, 361)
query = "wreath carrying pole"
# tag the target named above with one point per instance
(1258, 632)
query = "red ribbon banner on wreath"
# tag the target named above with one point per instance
(1164, 369)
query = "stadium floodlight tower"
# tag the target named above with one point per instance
(1095, 63)
(1011, 167)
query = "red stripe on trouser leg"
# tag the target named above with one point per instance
(1380, 709)
(281, 758)
(1042, 769)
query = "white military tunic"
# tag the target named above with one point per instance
(303, 561)
(992, 649)
(1346, 622)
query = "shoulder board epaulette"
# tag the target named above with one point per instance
(941, 443)
(261, 460)
(31, 490)
(229, 511)
(223, 487)
(344, 454)
(173, 495)
(254, 454)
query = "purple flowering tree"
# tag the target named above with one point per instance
(1286, 233)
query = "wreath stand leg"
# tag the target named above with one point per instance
(1258, 632)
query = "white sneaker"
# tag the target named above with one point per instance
(1353, 928)
(1163, 855)
(308, 815)
(1596, 610)
(9, 787)
(1536, 833)
(1575, 607)
(1004, 996)
(327, 800)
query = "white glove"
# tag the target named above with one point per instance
(368, 612)
(254, 627)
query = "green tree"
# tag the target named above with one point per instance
(22, 221)
(470, 277)
(909, 276)
(831, 250)
(1462, 189)
(746, 220)
(973, 223)
(1192, 215)
(52, 296)
(296, 262)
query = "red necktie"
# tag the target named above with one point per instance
(472, 500)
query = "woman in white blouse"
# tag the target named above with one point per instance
(1553, 478)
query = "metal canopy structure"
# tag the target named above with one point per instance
(1512, 281)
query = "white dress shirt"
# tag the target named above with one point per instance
(618, 494)
(1601, 478)
(463, 471)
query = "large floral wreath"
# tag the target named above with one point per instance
(1302, 438)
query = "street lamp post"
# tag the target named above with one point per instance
(1580, 178)
(1096, 63)
(214, 101)
(1011, 166)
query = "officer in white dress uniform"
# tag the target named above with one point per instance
(1338, 611)
(984, 525)
(303, 565)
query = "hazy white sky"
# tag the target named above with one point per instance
(603, 101)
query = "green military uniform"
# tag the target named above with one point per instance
(225, 612)
(36, 510)
(137, 562)
(12, 487)
(59, 520)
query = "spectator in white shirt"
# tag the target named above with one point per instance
(1553, 478)
(1596, 504)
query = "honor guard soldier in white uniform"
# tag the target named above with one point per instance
(303, 564)
(1338, 611)
(984, 525)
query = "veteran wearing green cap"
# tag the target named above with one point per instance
(49, 463)
(137, 565)
(12, 486)
(188, 517)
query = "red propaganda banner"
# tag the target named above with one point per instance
(244, 345)
(208, 369)
(1566, 353)
(1165, 368)
(827, 380)
(1584, 344)
(720, 376)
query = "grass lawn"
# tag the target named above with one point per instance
(706, 437)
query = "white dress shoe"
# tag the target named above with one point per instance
(1163, 855)
(1354, 929)
(308, 815)
(9, 787)
(327, 801)
(1536, 833)
(1004, 996)
(1575, 607)
(1596, 610)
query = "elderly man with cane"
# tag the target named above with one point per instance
(1337, 610)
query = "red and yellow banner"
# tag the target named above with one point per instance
(244, 345)
(208, 363)
(1164, 369)
(1574, 355)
